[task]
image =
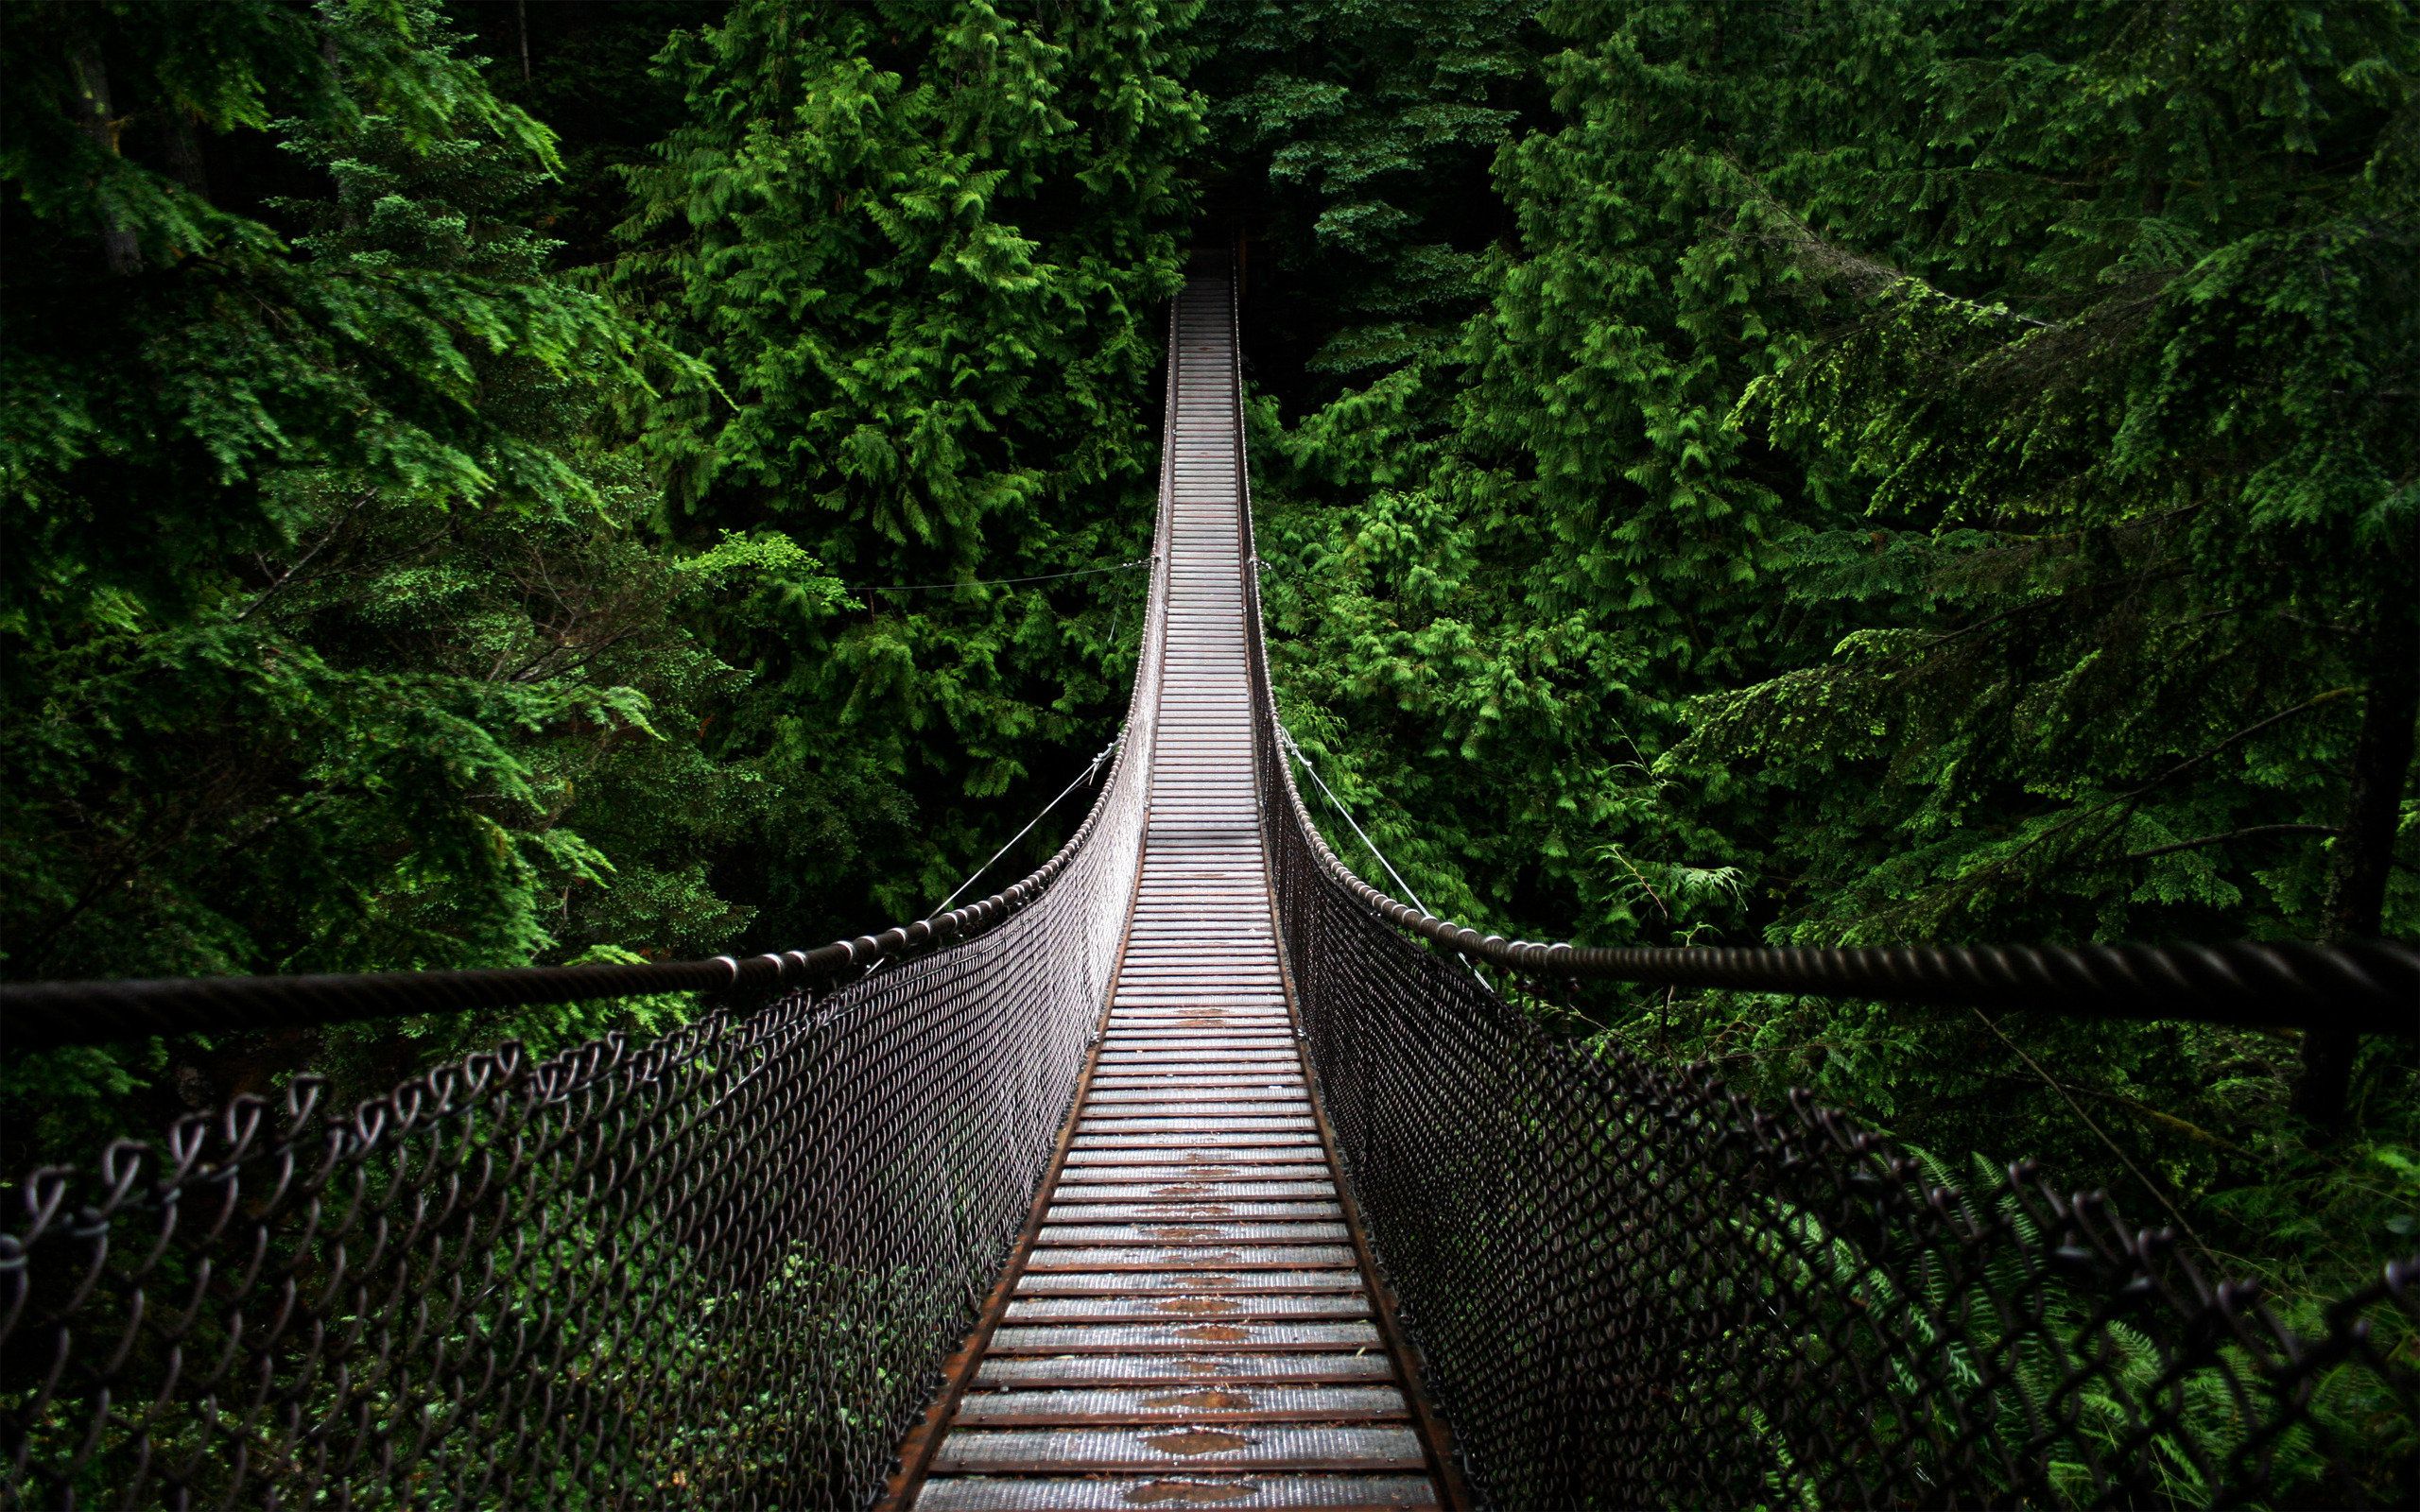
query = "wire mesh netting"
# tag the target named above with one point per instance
(1631, 1287)
(720, 1269)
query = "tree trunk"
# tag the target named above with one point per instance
(184, 153)
(2364, 854)
(119, 249)
(521, 14)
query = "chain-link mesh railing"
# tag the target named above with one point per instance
(720, 1269)
(1629, 1287)
(723, 1267)
(1633, 1288)
(717, 1269)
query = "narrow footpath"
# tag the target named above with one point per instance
(1192, 1325)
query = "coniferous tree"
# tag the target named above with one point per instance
(1356, 137)
(924, 250)
(1924, 474)
(333, 642)
(1886, 470)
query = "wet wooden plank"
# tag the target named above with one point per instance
(1276, 1447)
(1138, 1283)
(1049, 1257)
(1179, 1338)
(1072, 1407)
(1265, 1307)
(1359, 1367)
(1175, 1493)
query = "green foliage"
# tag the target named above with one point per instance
(924, 250)
(1356, 136)
(1920, 472)
(2013, 1349)
(1888, 471)
(333, 641)
(348, 631)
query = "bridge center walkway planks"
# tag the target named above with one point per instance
(1191, 1326)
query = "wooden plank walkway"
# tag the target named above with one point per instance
(1191, 1324)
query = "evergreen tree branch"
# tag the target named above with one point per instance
(286, 577)
(1865, 275)
(2249, 832)
(2127, 801)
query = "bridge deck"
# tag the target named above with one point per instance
(1191, 1324)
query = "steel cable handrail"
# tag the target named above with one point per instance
(1630, 1286)
(721, 1266)
(2370, 986)
(37, 1016)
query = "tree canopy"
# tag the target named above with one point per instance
(1908, 472)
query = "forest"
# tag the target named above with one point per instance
(492, 483)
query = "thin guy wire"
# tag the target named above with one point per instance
(2123, 1158)
(995, 582)
(1089, 773)
(1287, 737)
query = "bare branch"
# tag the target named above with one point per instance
(2076, 1108)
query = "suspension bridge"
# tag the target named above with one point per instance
(1190, 1171)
